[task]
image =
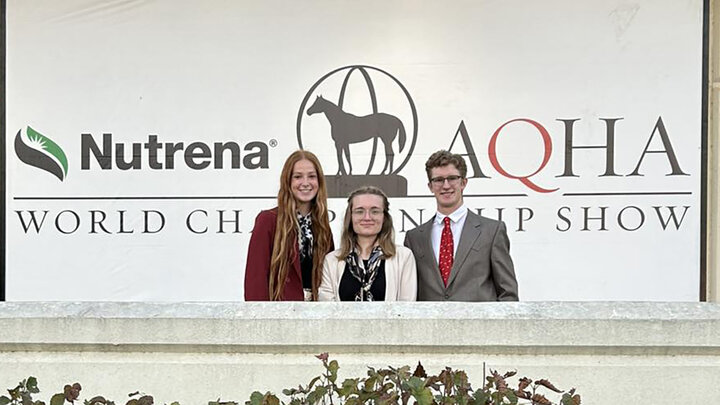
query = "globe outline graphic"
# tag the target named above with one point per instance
(363, 69)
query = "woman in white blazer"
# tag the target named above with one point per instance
(368, 266)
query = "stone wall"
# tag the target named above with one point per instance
(649, 353)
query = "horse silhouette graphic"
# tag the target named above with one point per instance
(347, 128)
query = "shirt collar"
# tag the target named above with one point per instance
(455, 216)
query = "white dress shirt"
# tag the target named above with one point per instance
(457, 221)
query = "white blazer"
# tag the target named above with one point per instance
(400, 276)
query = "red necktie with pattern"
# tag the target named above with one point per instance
(446, 251)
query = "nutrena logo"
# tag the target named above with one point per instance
(39, 151)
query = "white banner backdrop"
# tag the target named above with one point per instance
(165, 125)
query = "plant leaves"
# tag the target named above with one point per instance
(524, 383)
(481, 397)
(146, 400)
(256, 398)
(31, 385)
(4, 400)
(369, 385)
(25, 398)
(333, 369)
(57, 399)
(500, 383)
(510, 395)
(72, 392)
(268, 399)
(569, 399)
(538, 399)
(419, 371)
(547, 384)
(349, 387)
(523, 394)
(423, 396)
(313, 381)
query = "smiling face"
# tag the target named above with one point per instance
(448, 194)
(367, 215)
(304, 184)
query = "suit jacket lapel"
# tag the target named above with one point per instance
(429, 252)
(470, 232)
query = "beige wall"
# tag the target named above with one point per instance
(635, 353)
(713, 187)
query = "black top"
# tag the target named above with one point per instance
(306, 270)
(349, 285)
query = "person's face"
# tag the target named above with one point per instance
(367, 214)
(304, 182)
(447, 186)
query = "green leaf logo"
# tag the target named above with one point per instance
(37, 150)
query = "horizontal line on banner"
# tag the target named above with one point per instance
(629, 193)
(149, 198)
(88, 198)
(469, 195)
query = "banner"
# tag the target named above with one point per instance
(142, 138)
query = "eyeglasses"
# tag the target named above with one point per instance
(374, 212)
(453, 180)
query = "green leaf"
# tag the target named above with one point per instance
(57, 399)
(349, 386)
(313, 381)
(369, 385)
(423, 396)
(416, 383)
(510, 395)
(256, 398)
(4, 400)
(333, 369)
(51, 147)
(317, 395)
(31, 385)
(480, 398)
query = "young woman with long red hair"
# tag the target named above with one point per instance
(289, 242)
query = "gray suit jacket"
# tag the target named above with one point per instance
(482, 269)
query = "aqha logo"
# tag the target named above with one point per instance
(365, 118)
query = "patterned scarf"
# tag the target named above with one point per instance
(305, 236)
(366, 277)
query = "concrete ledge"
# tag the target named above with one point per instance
(176, 349)
(643, 325)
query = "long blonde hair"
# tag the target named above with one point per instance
(386, 237)
(286, 233)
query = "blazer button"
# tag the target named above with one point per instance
(447, 296)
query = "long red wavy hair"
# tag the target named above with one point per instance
(286, 235)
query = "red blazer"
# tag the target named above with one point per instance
(257, 266)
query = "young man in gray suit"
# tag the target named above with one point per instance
(460, 256)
